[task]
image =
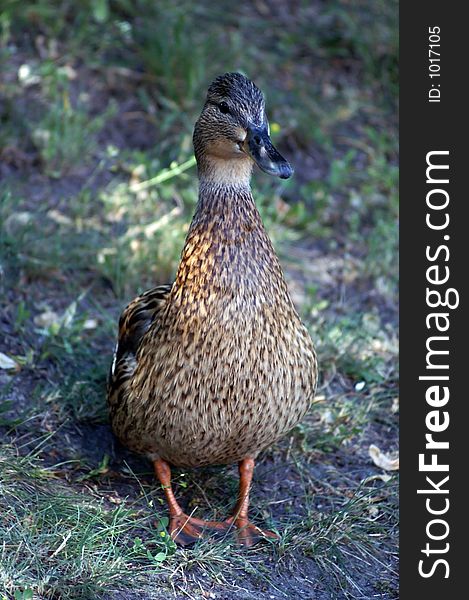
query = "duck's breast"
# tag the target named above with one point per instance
(225, 382)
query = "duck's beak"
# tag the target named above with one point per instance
(259, 147)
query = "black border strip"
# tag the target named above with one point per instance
(428, 127)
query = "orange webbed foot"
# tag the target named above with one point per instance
(186, 530)
(248, 534)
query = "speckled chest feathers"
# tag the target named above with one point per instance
(224, 366)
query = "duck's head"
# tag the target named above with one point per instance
(232, 132)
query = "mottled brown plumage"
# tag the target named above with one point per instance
(218, 366)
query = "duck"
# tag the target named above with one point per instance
(217, 366)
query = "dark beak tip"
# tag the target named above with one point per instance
(286, 171)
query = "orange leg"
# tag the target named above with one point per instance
(183, 528)
(247, 533)
(186, 530)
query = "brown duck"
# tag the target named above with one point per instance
(217, 366)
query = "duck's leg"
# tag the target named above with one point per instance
(247, 533)
(183, 529)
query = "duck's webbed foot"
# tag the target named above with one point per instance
(248, 534)
(186, 530)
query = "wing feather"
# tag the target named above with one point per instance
(134, 322)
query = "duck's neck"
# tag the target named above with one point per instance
(226, 240)
(226, 214)
(220, 172)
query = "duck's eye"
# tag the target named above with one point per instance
(224, 108)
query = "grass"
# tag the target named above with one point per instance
(97, 189)
(56, 540)
(80, 541)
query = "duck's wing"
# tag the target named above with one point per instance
(134, 322)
